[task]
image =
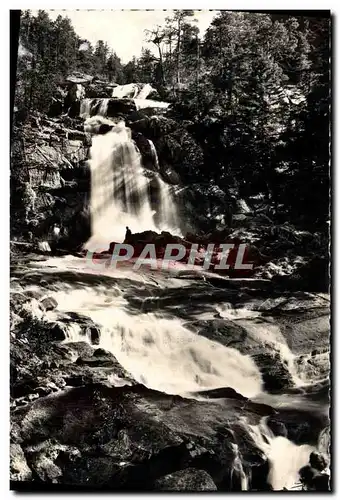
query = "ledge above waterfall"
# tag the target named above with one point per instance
(111, 107)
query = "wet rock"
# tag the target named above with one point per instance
(274, 371)
(25, 385)
(170, 175)
(19, 469)
(15, 434)
(175, 146)
(48, 303)
(17, 300)
(34, 294)
(13, 372)
(224, 331)
(102, 352)
(222, 392)
(186, 480)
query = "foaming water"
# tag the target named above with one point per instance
(120, 194)
(88, 105)
(149, 103)
(285, 458)
(163, 354)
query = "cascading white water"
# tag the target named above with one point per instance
(150, 103)
(86, 105)
(85, 108)
(103, 107)
(159, 352)
(154, 154)
(120, 192)
(167, 210)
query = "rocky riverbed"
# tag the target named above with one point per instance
(171, 380)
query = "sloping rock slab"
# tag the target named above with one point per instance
(127, 438)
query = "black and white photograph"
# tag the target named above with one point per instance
(170, 250)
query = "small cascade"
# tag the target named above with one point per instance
(102, 111)
(154, 155)
(99, 106)
(285, 457)
(87, 105)
(149, 103)
(85, 108)
(145, 91)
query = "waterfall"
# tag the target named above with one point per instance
(150, 103)
(85, 108)
(120, 192)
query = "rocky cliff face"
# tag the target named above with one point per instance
(50, 180)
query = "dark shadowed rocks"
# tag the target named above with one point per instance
(176, 147)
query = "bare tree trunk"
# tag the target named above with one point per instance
(178, 51)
